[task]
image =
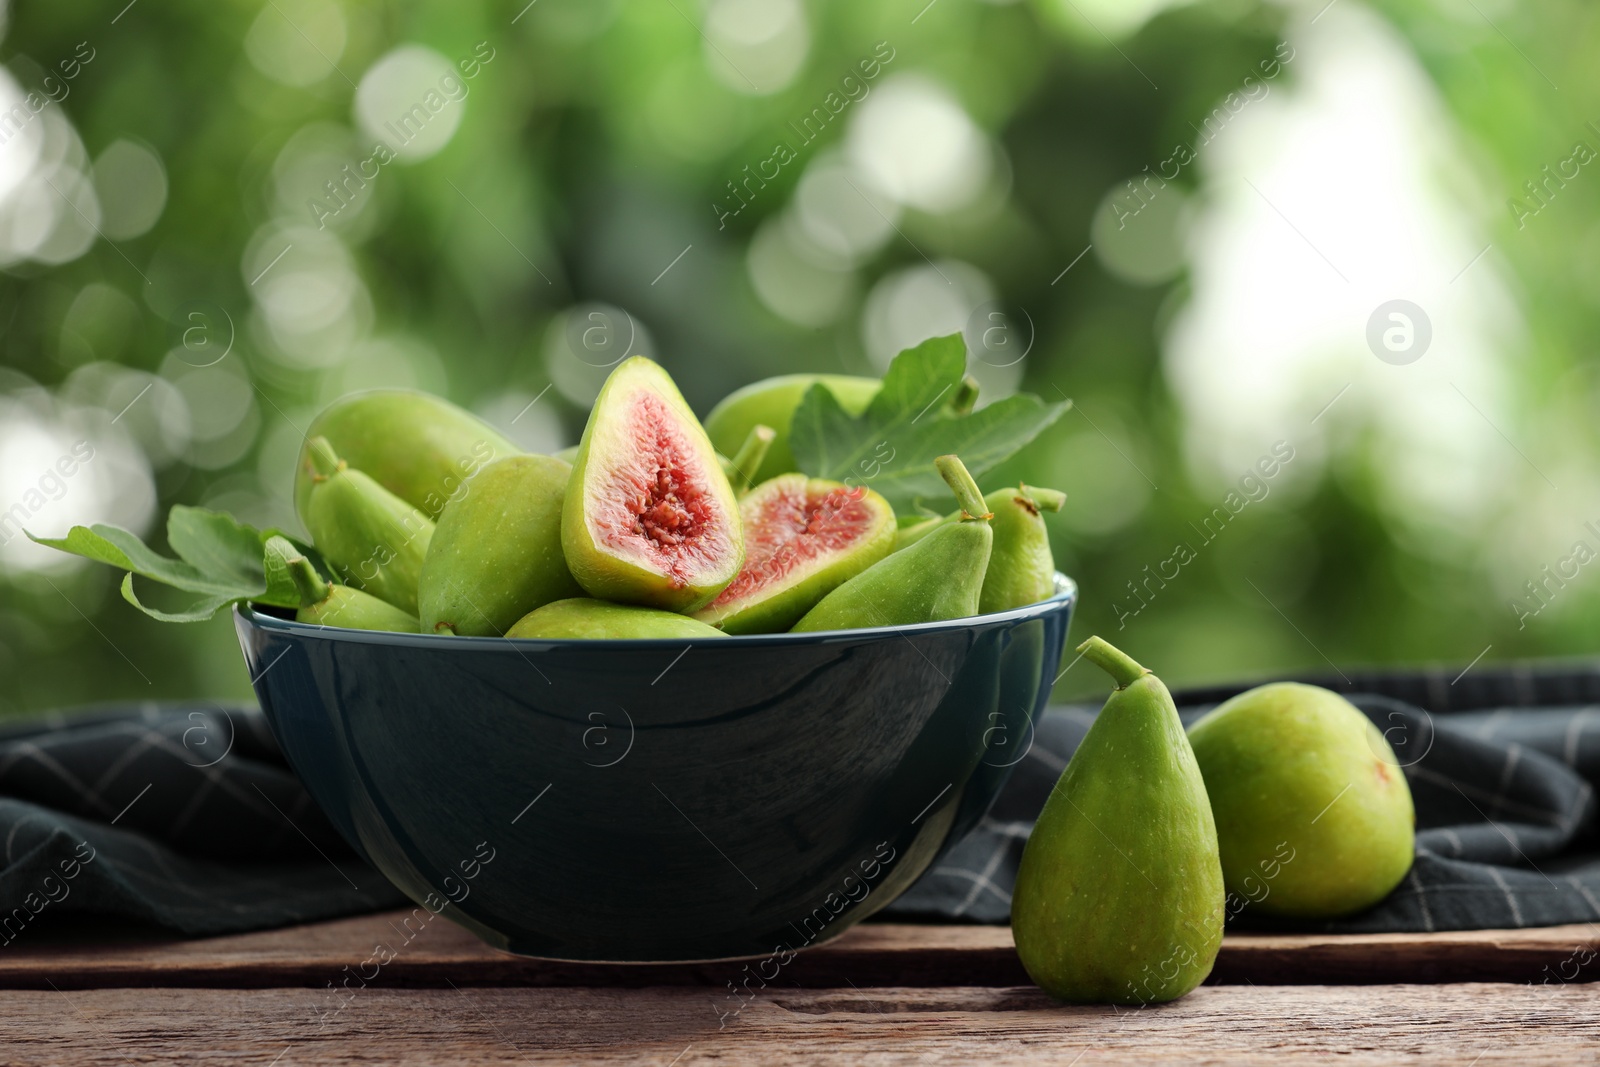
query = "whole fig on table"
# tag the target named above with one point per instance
(496, 553)
(1314, 816)
(1119, 895)
(418, 446)
(375, 540)
(649, 516)
(938, 578)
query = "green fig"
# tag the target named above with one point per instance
(324, 604)
(650, 517)
(772, 402)
(803, 538)
(373, 538)
(1021, 568)
(599, 620)
(496, 551)
(1119, 894)
(417, 446)
(914, 527)
(351, 609)
(1314, 817)
(938, 578)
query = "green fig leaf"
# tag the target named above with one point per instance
(891, 447)
(829, 443)
(123, 549)
(200, 611)
(918, 378)
(215, 543)
(221, 560)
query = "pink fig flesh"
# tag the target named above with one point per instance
(803, 537)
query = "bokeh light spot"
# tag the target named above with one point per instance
(296, 42)
(916, 142)
(412, 100)
(756, 46)
(1140, 229)
(132, 186)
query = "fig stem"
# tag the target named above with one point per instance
(313, 590)
(965, 397)
(1115, 662)
(324, 460)
(968, 495)
(748, 459)
(1044, 499)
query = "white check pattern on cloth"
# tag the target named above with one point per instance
(193, 819)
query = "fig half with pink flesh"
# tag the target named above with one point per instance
(802, 537)
(649, 517)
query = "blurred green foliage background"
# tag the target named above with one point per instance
(202, 245)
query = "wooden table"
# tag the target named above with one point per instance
(880, 994)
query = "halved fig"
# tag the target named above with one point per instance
(803, 536)
(650, 517)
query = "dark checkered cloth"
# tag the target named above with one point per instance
(185, 815)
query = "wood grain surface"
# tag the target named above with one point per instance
(437, 953)
(1478, 1025)
(324, 993)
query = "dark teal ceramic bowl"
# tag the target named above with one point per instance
(657, 800)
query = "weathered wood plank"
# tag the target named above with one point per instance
(409, 949)
(436, 953)
(1543, 955)
(1458, 1024)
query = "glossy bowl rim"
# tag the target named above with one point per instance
(1065, 596)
